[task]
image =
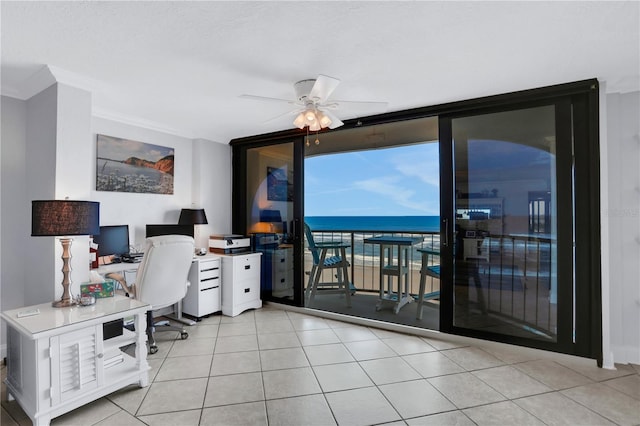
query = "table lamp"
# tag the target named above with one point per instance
(193, 217)
(65, 218)
(270, 216)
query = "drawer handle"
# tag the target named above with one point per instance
(208, 279)
(247, 266)
(282, 260)
(247, 290)
(207, 270)
(210, 288)
(282, 280)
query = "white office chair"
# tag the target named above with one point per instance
(161, 279)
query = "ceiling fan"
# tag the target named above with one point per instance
(312, 108)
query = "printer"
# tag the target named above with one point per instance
(229, 244)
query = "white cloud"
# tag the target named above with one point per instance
(391, 188)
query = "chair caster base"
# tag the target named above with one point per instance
(153, 349)
(184, 335)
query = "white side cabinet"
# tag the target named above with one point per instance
(240, 283)
(58, 359)
(203, 296)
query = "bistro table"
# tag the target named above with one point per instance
(392, 267)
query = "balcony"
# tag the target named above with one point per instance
(506, 287)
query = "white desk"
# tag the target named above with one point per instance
(124, 267)
(58, 360)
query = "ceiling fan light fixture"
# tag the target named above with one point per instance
(324, 120)
(300, 122)
(315, 126)
(310, 116)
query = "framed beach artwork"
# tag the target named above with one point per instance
(278, 186)
(124, 165)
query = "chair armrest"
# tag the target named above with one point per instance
(332, 244)
(429, 251)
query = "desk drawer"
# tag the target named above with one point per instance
(209, 269)
(209, 274)
(246, 291)
(246, 268)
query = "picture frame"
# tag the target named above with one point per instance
(125, 165)
(279, 187)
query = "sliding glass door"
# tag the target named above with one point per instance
(506, 275)
(270, 212)
(519, 211)
(510, 192)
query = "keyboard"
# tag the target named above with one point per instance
(132, 257)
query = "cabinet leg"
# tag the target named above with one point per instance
(42, 421)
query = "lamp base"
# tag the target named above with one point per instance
(66, 299)
(63, 303)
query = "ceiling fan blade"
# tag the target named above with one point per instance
(335, 121)
(323, 88)
(286, 114)
(267, 99)
(359, 106)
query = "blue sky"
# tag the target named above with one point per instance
(120, 149)
(402, 181)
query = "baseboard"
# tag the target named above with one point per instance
(626, 354)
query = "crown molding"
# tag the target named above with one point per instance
(47, 76)
(50, 74)
(139, 122)
(11, 92)
(77, 80)
(31, 86)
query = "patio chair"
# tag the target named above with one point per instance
(429, 269)
(323, 260)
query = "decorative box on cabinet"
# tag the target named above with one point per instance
(240, 283)
(203, 296)
(58, 360)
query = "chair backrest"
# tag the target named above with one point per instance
(312, 245)
(162, 277)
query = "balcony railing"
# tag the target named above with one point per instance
(516, 276)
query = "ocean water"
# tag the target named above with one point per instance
(121, 177)
(365, 226)
(374, 223)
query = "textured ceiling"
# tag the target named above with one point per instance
(181, 66)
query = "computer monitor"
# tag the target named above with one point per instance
(113, 240)
(156, 230)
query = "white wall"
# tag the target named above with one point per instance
(212, 188)
(138, 210)
(39, 173)
(48, 151)
(14, 223)
(73, 129)
(622, 215)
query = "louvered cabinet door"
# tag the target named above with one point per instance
(76, 363)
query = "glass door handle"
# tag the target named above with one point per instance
(446, 232)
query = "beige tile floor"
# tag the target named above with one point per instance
(276, 367)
